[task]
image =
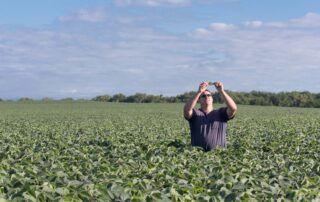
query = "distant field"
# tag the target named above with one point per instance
(90, 151)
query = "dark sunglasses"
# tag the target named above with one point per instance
(205, 95)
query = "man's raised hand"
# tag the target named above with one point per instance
(203, 87)
(219, 86)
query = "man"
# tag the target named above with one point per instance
(208, 126)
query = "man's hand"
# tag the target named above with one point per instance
(188, 107)
(219, 86)
(203, 87)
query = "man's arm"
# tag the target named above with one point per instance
(231, 105)
(187, 110)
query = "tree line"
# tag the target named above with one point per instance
(286, 99)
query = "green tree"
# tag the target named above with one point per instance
(25, 99)
(67, 99)
(118, 97)
(102, 98)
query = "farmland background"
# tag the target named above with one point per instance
(94, 151)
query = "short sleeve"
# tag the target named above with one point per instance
(224, 115)
(193, 115)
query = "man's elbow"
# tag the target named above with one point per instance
(232, 111)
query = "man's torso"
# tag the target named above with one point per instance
(208, 130)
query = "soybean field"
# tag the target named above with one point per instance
(91, 151)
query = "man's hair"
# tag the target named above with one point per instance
(207, 91)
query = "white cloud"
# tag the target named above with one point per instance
(119, 60)
(88, 59)
(274, 58)
(276, 24)
(253, 24)
(153, 3)
(221, 26)
(309, 20)
(201, 32)
(69, 91)
(156, 3)
(86, 15)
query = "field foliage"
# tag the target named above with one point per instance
(89, 151)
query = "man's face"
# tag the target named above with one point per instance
(206, 98)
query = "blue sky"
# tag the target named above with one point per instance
(86, 48)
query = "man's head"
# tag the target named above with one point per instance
(205, 98)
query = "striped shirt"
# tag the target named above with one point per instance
(209, 130)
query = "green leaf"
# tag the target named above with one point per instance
(27, 196)
(62, 191)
